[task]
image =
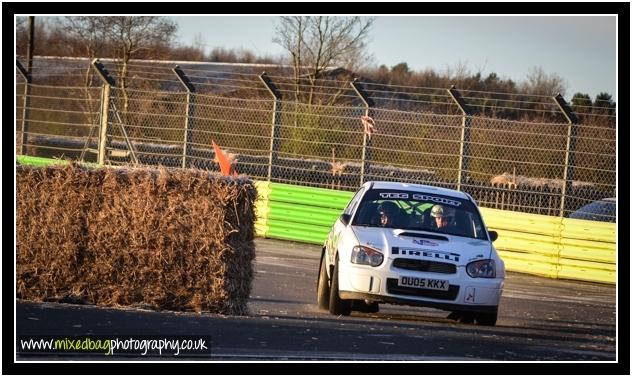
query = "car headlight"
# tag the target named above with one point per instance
(485, 268)
(366, 255)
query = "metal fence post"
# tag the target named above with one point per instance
(276, 122)
(464, 150)
(108, 82)
(366, 141)
(188, 85)
(27, 74)
(103, 130)
(569, 157)
(25, 106)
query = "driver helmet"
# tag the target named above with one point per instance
(441, 211)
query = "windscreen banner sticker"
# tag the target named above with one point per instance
(421, 197)
(393, 195)
(436, 199)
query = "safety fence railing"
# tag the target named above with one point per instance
(355, 132)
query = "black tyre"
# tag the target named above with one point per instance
(483, 319)
(364, 307)
(322, 288)
(373, 307)
(337, 306)
(487, 319)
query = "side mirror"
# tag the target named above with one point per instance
(493, 235)
(345, 217)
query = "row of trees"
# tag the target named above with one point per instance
(314, 45)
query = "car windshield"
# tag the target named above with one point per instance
(419, 211)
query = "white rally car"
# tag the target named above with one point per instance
(411, 244)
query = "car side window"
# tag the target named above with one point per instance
(353, 203)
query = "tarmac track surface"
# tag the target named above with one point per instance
(539, 319)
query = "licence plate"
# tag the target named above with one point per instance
(407, 281)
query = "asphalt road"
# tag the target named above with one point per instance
(539, 319)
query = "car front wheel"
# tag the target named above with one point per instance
(482, 319)
(337, 306)
(323, 285)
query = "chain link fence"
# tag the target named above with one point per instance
(503, 163)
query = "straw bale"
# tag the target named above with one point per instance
(165, 238)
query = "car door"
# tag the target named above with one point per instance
(340, 224)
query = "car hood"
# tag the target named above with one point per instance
(423, 244)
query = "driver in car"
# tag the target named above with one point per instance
(444, 217)
(387, 211)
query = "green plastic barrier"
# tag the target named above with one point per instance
(297, 232)
(310, 196)
(39, 161)
(303, 214)
(42, 161)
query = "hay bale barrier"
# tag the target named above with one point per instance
(168, 239)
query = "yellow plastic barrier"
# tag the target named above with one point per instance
(521, 222)
(553, 246)
(262, 208)
(529, 267)
(586, 274)
(540, 245)
(594, 254)
(520, 242)
(588, 230)
(528, 257)
(586, 264)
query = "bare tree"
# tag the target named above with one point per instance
(87, 36)
(133, 35)
(20, 35)
(540, 83)
(315, 44)
(125, 38)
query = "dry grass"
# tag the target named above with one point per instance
(168, 239)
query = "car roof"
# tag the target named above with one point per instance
(426, 189)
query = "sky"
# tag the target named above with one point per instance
(580, 49)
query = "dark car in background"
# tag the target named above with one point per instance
(600, 210)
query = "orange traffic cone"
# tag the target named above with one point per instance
(224, 164)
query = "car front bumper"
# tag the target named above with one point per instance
(380, 284)
(416, 302)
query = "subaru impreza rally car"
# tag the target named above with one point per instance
(411, 244)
